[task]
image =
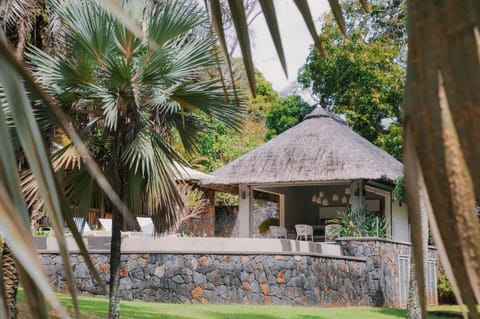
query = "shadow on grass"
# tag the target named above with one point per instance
(401, 313)
(219, 315)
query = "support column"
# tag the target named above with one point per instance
(356, 200)
(244, 211)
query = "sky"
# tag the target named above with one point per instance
(295, 38)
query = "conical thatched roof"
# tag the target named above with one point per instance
(188, 174)
(321, 148)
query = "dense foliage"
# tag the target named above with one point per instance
(285, 113)
(357, 223)
(363, 75)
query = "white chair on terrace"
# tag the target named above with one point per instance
(304, 231)
(146, 225)
(106, 224)
(82, 225)
(278, 232)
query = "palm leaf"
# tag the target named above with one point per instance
(12, 88)
(437, 107)
(268, 9)
(172, 19)
(60, 118)
(217, 23)
(337, 13)
(302, 6)
(241, 27)
(208, 97)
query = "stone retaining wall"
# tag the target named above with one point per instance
(382, 266)
(225, 279)
(245, 271)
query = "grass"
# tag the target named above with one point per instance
(96, 308)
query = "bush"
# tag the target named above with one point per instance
(357, 223)
(444, 289)
(265, 225)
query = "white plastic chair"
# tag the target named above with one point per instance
(106, 224)
(304, 231)
(82, 225)
(146, 225)
(278, 232)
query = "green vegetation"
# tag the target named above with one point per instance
(265, 225)
(286, 113)
(96, 308)
(445, 291)
(357, 223)
(363, 74)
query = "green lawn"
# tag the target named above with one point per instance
(96, 308)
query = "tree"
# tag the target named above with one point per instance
(362, 75)
(25, 24)
(440, 130)
(222, 145)
(285, 113)
(127, 96)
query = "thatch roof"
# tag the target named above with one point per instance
(187, 174)
(321, 148)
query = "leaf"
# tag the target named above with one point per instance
(302, 6)
(59, 117)
(116, 9)
(32, 146)
(19, 238)
(241, 27)
(365, 5)
(217, 22)
(268, 9)
(427, 104)
(337, 12)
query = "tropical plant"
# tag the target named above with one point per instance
(440, 127)
(265, 225)
(444, 288)
(195, 201)
(126, 97)
(357, 223)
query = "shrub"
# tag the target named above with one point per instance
(444, 289)
(357, 223)
(265, 225)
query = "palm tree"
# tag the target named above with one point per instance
(127, 97)
(441, 113)
(23, 25)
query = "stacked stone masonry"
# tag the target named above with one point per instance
(226, 279)
(367, 275)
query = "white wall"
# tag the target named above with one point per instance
(401, 229)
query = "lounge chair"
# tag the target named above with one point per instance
(278, 232)
(82, 225)
(106, 224)
(146, 225)
(304, 231)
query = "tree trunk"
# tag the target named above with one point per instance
(413, 304)
(414, 309)
(118, 181)
(10, 280)
(115, 253)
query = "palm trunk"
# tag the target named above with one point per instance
(413, 304)
(117, 226)
(115, 253)
(10, 281)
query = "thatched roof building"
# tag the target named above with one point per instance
(319, 149)
(187, 174)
